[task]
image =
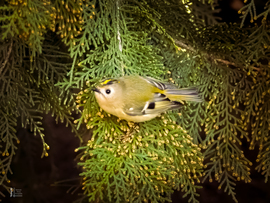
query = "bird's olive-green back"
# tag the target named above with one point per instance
(137, 90)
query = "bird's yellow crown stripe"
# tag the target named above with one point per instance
(109, 82)
(106, 81)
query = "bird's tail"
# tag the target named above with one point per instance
(184, 94)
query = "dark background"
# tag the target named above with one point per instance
(40, 179)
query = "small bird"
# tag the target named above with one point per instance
(138, 99)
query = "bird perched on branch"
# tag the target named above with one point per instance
(138, 99)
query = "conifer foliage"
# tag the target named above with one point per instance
(177, 41)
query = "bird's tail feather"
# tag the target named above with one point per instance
(184, 94)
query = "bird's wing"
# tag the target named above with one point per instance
(175, 94)
(157, 105)
(156, 83)
(160, 85)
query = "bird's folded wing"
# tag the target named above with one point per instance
(160, 85)
(157, 105)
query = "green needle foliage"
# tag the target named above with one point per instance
(127, 162)
(177, 41)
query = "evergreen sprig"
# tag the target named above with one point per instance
(127, 162)
(115, 147)
(202, 11)
(230, 65)
(250, 9)
(27, 91)
(177, 41)
(28, 20)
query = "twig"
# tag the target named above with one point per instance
(181, 44)
(225, 62)
(7, 57)
(119, 35)
(118, 29)
(255, 68)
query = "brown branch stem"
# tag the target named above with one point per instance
(7, 57)
(183, 45)
(226, 62)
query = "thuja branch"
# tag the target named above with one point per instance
(210, 56)
(182, 44)
(7, 57)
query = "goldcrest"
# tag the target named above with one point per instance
(138, 99)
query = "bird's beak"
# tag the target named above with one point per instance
(96, 90)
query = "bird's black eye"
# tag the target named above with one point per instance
(108, 91)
